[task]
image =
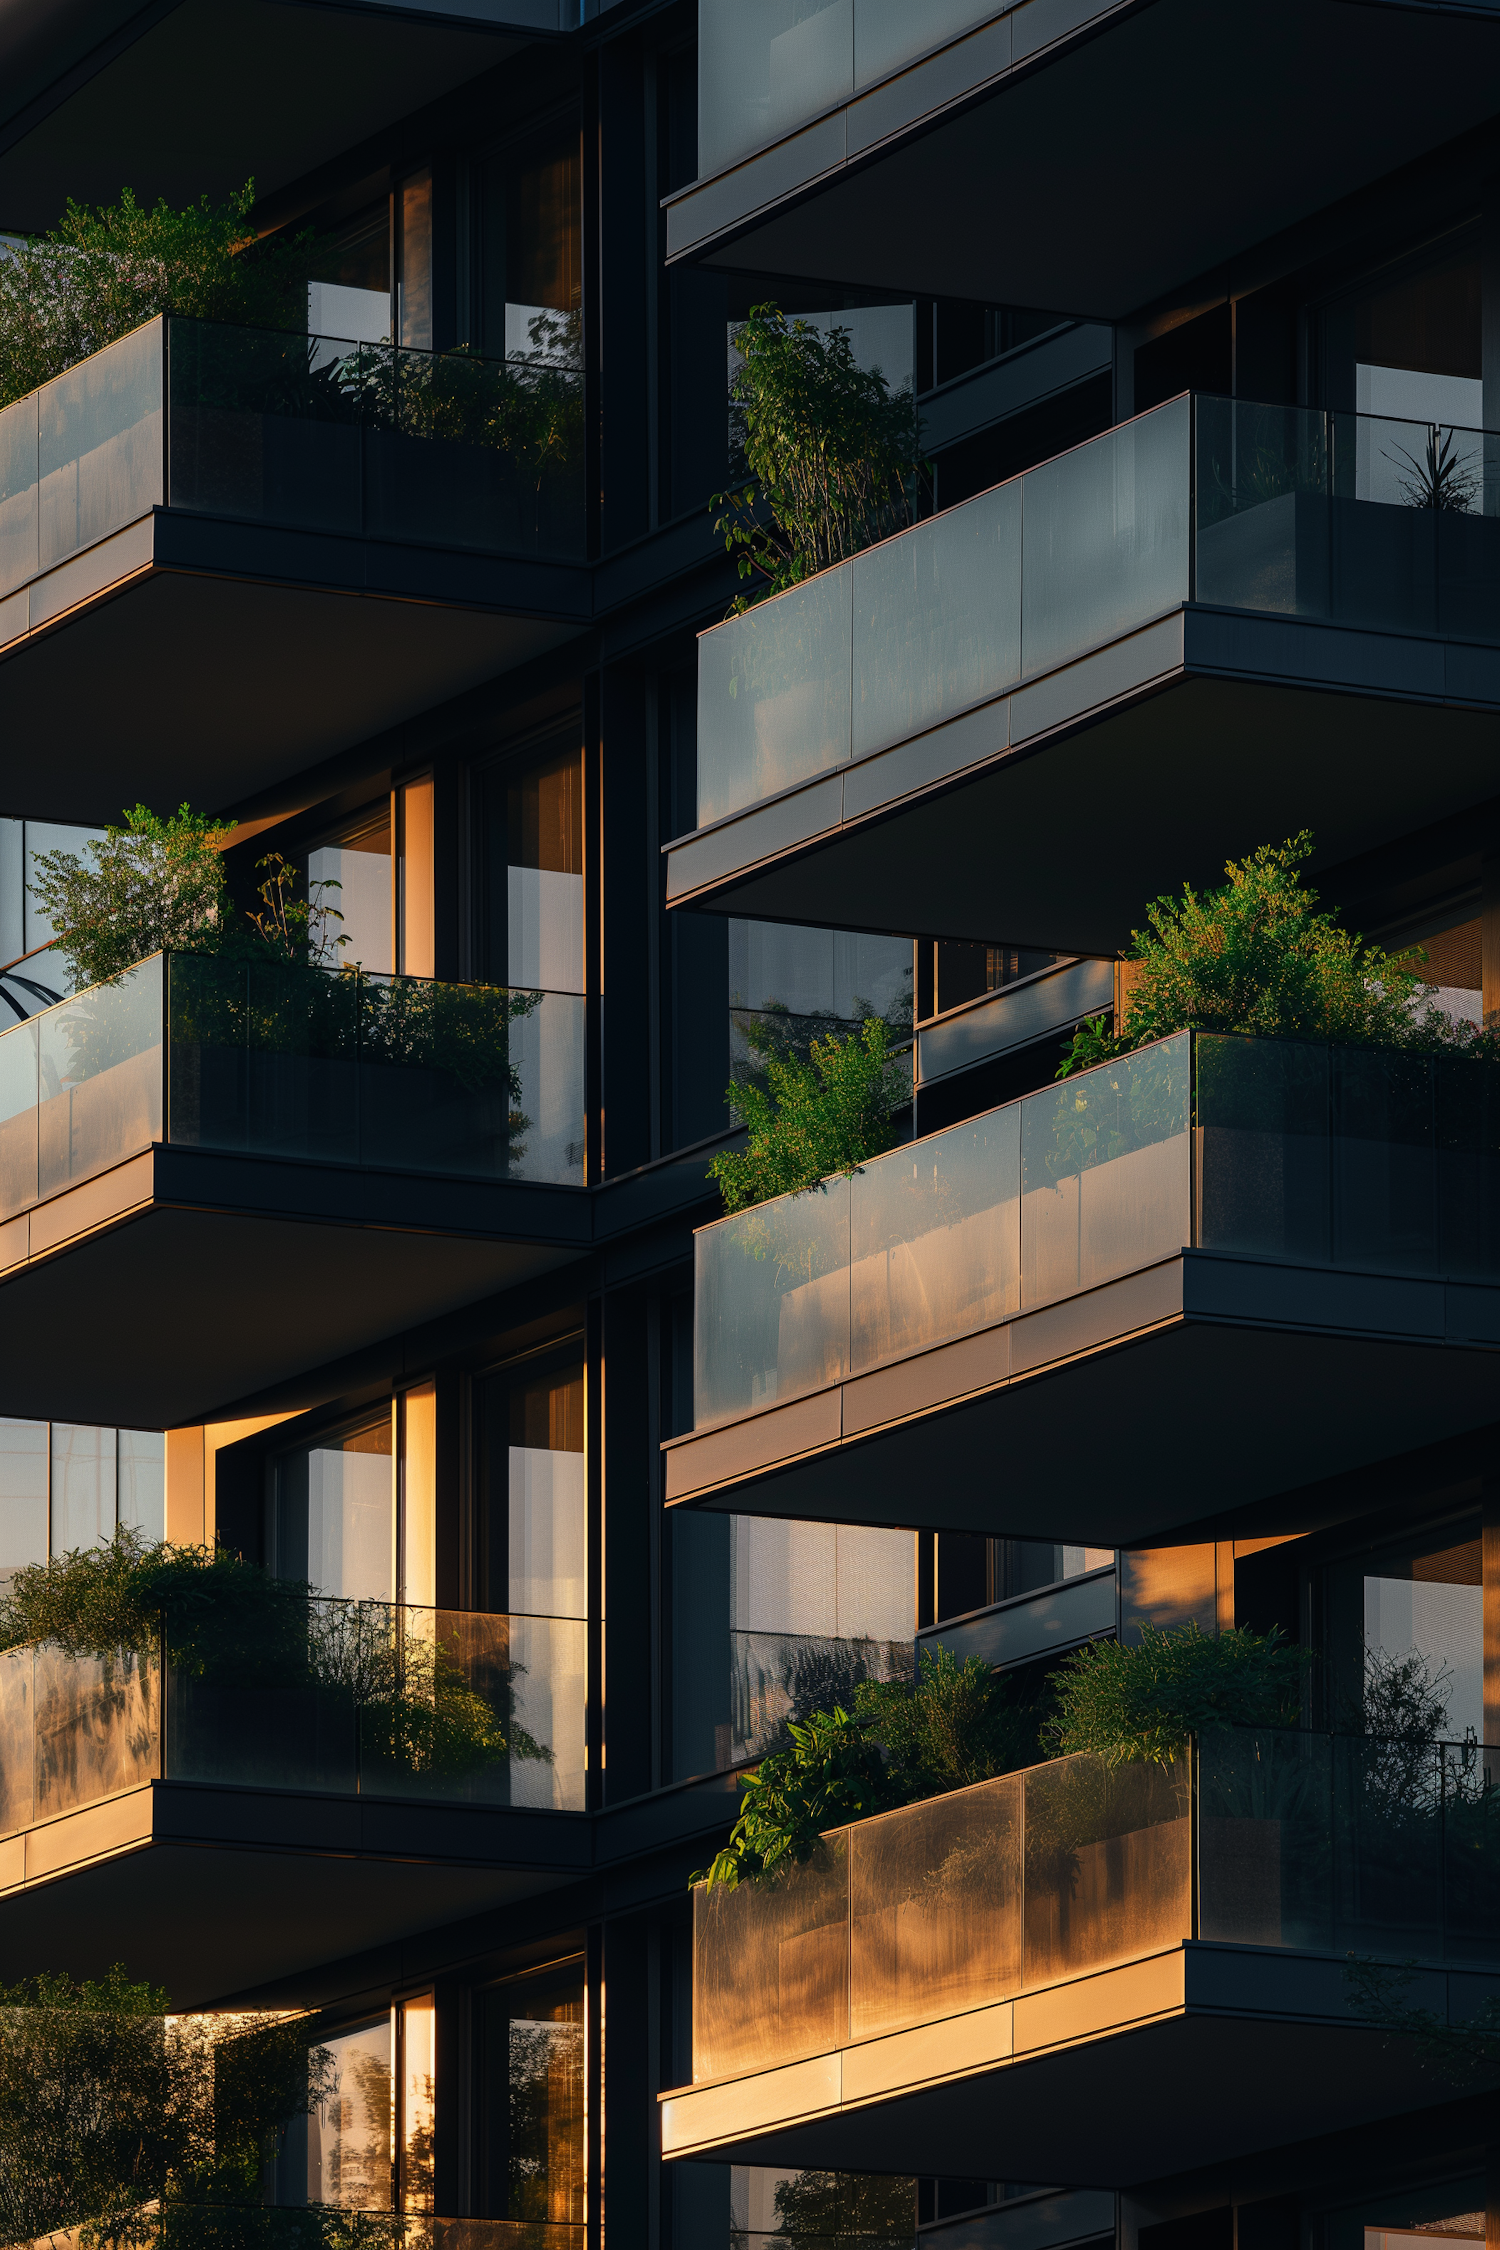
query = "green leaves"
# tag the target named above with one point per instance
(834, 454)
(899, 1744)
(100, 273)
(1141, 1703)
(1258, 956)
(811, 1119)
(153, 884)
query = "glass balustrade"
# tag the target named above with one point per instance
(283, 1690)
(330, 2226)
(270, 1059)
(310, 433)
(1349, 518)
(764, 71)
(1355, 1158)
(1333, 1843)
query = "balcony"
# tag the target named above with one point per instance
(339, 1762)
(944, 1985)
(188, 104)
(400, 1147)
(837, 140)
(1050, 658)
(340, 535)
(1142, 1249)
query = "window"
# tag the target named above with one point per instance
(349, 2130)
(529, 816)
(375, 878)
(1405, 1634)
(816, 982)
(950, 973)
(531, 2077)
(416, 2034)
(773, 1620)
(67, 1484)
(381, 253)
(528, 225)
(335, 1511)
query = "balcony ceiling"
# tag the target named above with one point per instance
(185, 1281)
(197, 683)
(222, 1890)
(194, 98)
(1118, 166)
(1061, 842)
(1212, 1387)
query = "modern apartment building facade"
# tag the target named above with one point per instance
(1201, 308)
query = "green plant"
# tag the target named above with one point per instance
(826, 2206)
(834, 455)
(1140, 1702)
(812, 1119)
(1259, 956)
(152, 884)
(899, 1745)
(100, 273)
(110, 2105)
(1441, 478)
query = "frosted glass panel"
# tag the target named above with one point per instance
(141, 1458)
(23, 1494)
(549, 1675)
(335, 1515)
(1438, 1621)
(362, 871)
(547, 1558)
(888, 33)
(83, 1486)
(544, 942)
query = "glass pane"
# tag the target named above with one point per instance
(274, 1705)
(545, 1498)
(549, 1672)
(99, 445)
(1388, 1845)
(532, 2116)
(937, 619)
(774, 695)
(1471, 1855)
(888, 33)
(936, 1238)
(545, 1121)
(438, 1081)
(17, 1739)
(208, 1052)
(418, 2103)
(1108, 1864)
(23, 1495)
(1106, 537)
(763, 70)
(771, 1967)
(544, 875)
(301, 1033)
(771, 1302)
(83, 1486)
(18, 1119)
(1263, 518)
(335, 1514)
(349, 2133)
(96, 1726)
(1264, 1147)
(935, 1908)
(1385, 1169)
(265, 426)
(18, 494)
(349, 876)
(100, 1069)
(1106, 1186)
(142, 1482)
(1468, 1140)
(1265, 1848)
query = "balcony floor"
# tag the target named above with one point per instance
(147, 654)
(185, 1281)
(223, 1889)
(1216, 2049)
(1143, 764)
(1175, 1402)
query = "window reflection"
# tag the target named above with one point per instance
(335, 1514)
(803, 984)
(349, 2132)
(530, 820)
(532, 2129)
(352, 296)
(1406, 1638)
(354, 866)
(528, 222)
(532, 1558)
(418, 2026)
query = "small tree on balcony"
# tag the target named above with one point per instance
(1259, 955)
(151, 885)
(833, 454)
(102, 272)
(809, 1120)
(1141, 1702)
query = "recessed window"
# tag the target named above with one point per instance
(531, 2035)
(529, 228)
(335, 1504)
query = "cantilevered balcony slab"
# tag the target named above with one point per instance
(1162, 1952)
(1038, 710)
(838, 143)
(245, 1818)
(1142, 1305)
(226, 554)
(212, 1177)
(200, 95)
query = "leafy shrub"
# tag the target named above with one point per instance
(834, 454)
(1258, 956)
(812, 1119)
(109, 2105)
(1130, 1704)
(151, 885)
(101, 273)
(896, 1747)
